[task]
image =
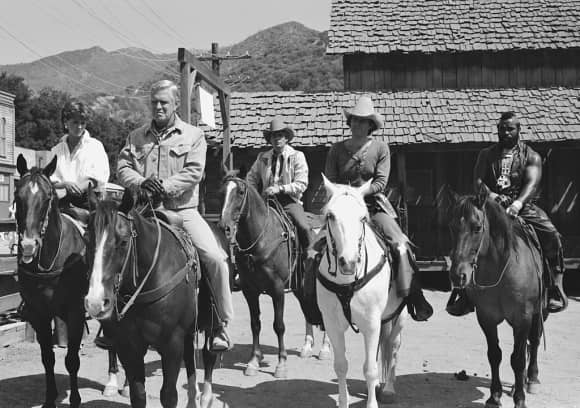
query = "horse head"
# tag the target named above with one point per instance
(470, 233)
(346, 217)
(35, 198)
(235, 196)
(110, 245)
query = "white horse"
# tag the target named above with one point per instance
(355, 265)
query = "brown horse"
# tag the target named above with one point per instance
(52, 272)
(264, 260)
(499, 266)
(143, 288)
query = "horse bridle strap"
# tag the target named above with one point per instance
(345, 292)
(133, 245)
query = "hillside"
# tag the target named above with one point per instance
(288, 56)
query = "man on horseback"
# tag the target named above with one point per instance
(282, 172)
(166, 159)
(513, 171)
(81, 161)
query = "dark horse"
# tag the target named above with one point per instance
(498, 264)
(52, 271)
(143, 288)
(264, 259)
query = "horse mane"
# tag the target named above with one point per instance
(502, 228)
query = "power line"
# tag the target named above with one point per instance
(152, 10)
(44, 62)
(119, 33)
(75, 29)
(152, 21)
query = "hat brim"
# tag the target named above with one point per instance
(288, 130)
(375, 117)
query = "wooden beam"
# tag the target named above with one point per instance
(402, 176)
(225, 111)
(206, 74)
(185, 90)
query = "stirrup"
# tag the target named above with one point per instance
(460, 306)
(557, 302)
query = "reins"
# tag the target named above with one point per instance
(476, 256)
(133, 248)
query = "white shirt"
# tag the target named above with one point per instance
(87, 161)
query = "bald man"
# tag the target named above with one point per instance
(513, 171)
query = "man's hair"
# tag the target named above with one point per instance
(166, 84)
(507, 116)
(75, 109)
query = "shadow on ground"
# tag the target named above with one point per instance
(413, 390)
(27, 391)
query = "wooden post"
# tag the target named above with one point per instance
(402, 176)
(185, 87)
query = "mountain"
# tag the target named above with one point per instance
(288, 56)
(90, 71)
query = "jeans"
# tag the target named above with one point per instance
(548, 236)
(214, 258)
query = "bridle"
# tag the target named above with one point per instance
(332, 244)
(43, 228)
(475, 260)
(232, 231)
(132, 249)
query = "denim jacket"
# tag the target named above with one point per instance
(177, 157)
(293, 176)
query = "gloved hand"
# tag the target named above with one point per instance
(514, 209)
(272, 191)
(154, 186)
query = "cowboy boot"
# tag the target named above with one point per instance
(557, 299)
(459, 304)
(418, 307)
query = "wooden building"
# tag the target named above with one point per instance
(441, 72)
(7, 136)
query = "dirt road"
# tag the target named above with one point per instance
(430, 354)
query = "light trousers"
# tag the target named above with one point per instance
(213, 257)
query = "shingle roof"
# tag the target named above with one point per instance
(411, 117)
(382, 26)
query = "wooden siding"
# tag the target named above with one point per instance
(504, 69)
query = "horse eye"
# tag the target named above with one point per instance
(478, 228)
(330, 216)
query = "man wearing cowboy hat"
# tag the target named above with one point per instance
(282, 172)
(358, 159)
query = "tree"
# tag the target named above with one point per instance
(22, 94)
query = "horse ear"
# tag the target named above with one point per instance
(127, 202)
(21, 165)
(50, 167)
(328, 185)
(482, 195)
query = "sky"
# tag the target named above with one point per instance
(32, 29)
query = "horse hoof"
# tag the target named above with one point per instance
(281, 372)
(125, 392)
(306, 352)
(206, 401)
(324, 355)
(251, 370)
(533, 387)
(110, 391)
(384, 396)
(491, 403)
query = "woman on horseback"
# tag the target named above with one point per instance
(359, 159)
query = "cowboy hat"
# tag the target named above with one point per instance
(364, 109)
(277, 124)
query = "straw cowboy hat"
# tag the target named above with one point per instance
(277, 124)
(364, 108)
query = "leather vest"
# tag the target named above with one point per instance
(516, 175)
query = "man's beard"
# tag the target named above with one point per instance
(508, 141)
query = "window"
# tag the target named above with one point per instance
(3, 137)
(4, 188)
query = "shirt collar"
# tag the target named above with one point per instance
(177, 126)
(286, 151)
(84, 137)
